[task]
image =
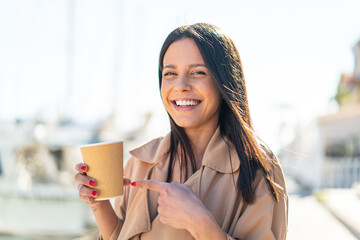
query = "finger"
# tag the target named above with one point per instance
(150, 184)
(89, 192)
(81, 167)
(85, 180)
(127, 181)
(87, 200)
(164, 220)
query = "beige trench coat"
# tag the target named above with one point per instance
(213, 183)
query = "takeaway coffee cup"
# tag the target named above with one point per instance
(105, 165)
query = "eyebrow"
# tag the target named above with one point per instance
(192, 65)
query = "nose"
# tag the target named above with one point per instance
(182, 83)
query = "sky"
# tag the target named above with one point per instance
(87, 59)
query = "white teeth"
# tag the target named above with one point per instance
(186, 103)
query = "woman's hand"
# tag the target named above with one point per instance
(180, 208)
(86, 187)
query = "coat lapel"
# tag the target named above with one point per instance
(162, 231)
(144, 207)
(137, 217)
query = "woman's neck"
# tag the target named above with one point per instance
(199, 140)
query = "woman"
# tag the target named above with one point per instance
(210, 178)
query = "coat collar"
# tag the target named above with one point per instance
(219, 155)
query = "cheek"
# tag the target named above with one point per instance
(213, 92)
(163, 95)
(216, 98)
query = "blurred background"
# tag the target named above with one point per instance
(74, 72)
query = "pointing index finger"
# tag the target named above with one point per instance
(150, 184)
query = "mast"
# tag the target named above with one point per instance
(357, 61)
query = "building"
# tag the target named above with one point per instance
(326, 153)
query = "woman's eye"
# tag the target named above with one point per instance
(199, 73)
(169, 74)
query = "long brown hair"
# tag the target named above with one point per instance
(222, 59)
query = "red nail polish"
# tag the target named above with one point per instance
(92, 183)
(94, 193)
(133, 184)
(83, 168)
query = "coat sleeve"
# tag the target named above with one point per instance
(265, 219)
(121, 203)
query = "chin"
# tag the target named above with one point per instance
(186, 125)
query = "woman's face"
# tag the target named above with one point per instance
(188, 90)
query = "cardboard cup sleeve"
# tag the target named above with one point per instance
(105, 165)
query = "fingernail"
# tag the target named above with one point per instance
(83, 168)
(94, 193)
(92, 183)
(133, 184)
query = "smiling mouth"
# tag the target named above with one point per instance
(186, 103)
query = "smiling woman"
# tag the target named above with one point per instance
(210, 177)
